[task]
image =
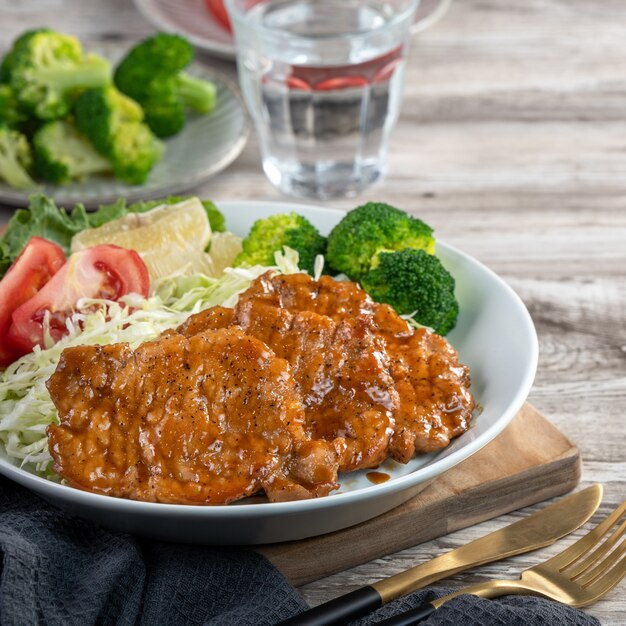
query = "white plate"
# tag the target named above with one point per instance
(494, 336)
(192, 19)
(206, 145)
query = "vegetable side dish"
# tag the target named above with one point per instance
(66, 114)
(191, 388)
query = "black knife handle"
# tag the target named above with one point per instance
(410, 617)
(339, 611)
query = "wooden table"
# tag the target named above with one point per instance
(512, 144)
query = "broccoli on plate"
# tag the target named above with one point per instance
(5, 68)
(269, 235)
(47, 69)
(11, 114)
(7, 62)
(369, 229)
(414, 283)
(62, 153)
(152, 74)
(114, 124)
(15, 159)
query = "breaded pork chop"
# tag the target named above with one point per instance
(435, 404)
(200, 420)
(340, 371)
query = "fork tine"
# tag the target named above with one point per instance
(605, 583)
(603, 566)
(594, 557)
(586, 543)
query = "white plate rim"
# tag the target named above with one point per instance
(401, 483)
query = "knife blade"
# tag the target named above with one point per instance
(538, 530)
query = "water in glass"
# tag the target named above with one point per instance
(323, 105)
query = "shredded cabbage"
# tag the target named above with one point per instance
(26, 408)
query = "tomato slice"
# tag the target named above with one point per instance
(105, 271)
(218, 10)
(34, 267)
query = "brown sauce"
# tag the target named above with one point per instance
(377, 477)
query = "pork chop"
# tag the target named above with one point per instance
(340, 371)
(435, 404)
(200, 420)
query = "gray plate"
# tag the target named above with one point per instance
(206, 145)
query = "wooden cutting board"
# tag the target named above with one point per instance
(529, 462)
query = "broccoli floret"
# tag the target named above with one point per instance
(152, 74)
(11, 114)
(62, 153)
(15, 159)
(114, 124)
(413, 281)
(216, 219)
(270, 235)
(165, 115)
(101, 112)
(7, 62)
(5, 69)
(369, 229)
(47, 69)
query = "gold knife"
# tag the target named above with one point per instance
(535, 531)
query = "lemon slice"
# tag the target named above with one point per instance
(169, 238)
(224, 248)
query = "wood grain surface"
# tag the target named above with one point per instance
(512, 144)
(508, 474)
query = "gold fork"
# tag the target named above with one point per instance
(578, 576)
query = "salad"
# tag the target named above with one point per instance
(127, 273)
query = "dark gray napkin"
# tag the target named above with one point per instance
(473, 611)
(60, 570)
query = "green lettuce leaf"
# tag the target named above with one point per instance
(42, 219)
(107, 213)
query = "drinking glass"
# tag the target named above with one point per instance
(323, 82)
